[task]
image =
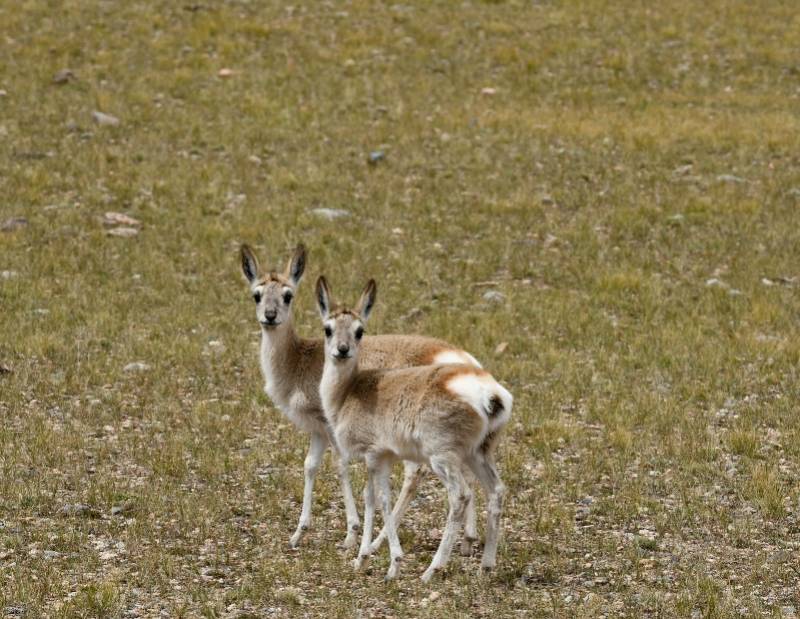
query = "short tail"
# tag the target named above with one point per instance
(497, 404)
(484, 394)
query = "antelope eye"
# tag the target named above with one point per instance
(287, 297)
(328, 331)
(257, 297)
(359, 333)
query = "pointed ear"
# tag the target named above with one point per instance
(296, 266)
(367, 300)
(323, 297)
(249, 264)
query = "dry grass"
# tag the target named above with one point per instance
(629, 154)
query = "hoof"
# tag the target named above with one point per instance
(394, 568)
(429, 573)
(294, 542)
(360, 562)
(467, 546)
(349, 541)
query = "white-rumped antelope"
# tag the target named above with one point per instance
(447, 416)
(292, 370)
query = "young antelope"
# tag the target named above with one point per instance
(446, 416)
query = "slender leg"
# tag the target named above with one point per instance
(485, 470)
(413, 473)
(353, 525)
(382, 475)
(313, 460)
(369, 519)
(470, 527)
(458, 496)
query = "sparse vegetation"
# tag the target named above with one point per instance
(624, 175)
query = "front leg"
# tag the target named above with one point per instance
(369, 519)
(413, 473)
(353, 525)
(383, 473)
(316, 450)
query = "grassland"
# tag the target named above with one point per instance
(624, 173)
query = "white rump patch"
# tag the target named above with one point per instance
(478, 391)
(456, 356)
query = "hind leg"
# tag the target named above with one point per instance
(486, 472)
(458, 497)
(470, 527)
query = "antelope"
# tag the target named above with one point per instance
(292, 370)
(447, 416)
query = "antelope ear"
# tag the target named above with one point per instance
(297, 265)
(364, 307)
(249, 264)
(323, 297)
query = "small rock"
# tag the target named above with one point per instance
(123, 508)
(5, 369)
(547, 200)
(375, 157)
(488, 91)
(225, 73)
(114, 219)
(730, 178)
(254, 159)
(795, 191)
(41, 311)
(136, 366)
(676, 219)
(123, 231)
(500, 349)
(767, 282)
(8, 274)
(331, 213)
(214, 347)
(493, 296)
(3, 93)
(735, 292)
(14, 611)
(106, 120)
(714, 282)
(14, 223)
(683, 170)
(63, 76)
(79, 509)
(51, 554)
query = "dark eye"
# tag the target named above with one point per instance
(359, 333)
(328, 331)
(287, 297)
(257, 297)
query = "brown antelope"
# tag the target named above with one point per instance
(446, 416)
(292, 369)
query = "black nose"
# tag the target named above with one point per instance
(343, 349)
(270, 315)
